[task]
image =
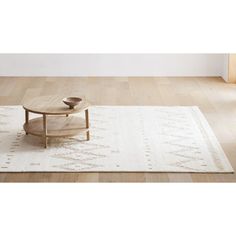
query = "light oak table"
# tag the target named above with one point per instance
(57, 119)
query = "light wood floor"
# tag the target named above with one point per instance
(216, 99)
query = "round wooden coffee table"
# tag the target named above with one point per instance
(57, 119)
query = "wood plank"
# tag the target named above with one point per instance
(232, 68)
(215, 98)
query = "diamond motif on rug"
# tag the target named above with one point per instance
(123, 138)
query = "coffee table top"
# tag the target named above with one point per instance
(53, 105)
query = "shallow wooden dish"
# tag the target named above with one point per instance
(72, 101)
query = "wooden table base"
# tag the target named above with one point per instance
(49, 126)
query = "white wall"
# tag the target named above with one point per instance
(112, 64)
(225, 70)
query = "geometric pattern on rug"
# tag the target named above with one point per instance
(123, 139)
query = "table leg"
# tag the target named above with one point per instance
(87, 123)
(45, 130)
(26, 119)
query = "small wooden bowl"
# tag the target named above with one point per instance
(72, 101)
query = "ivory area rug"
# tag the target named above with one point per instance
(123, 139)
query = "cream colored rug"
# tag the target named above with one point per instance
(129, 139)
